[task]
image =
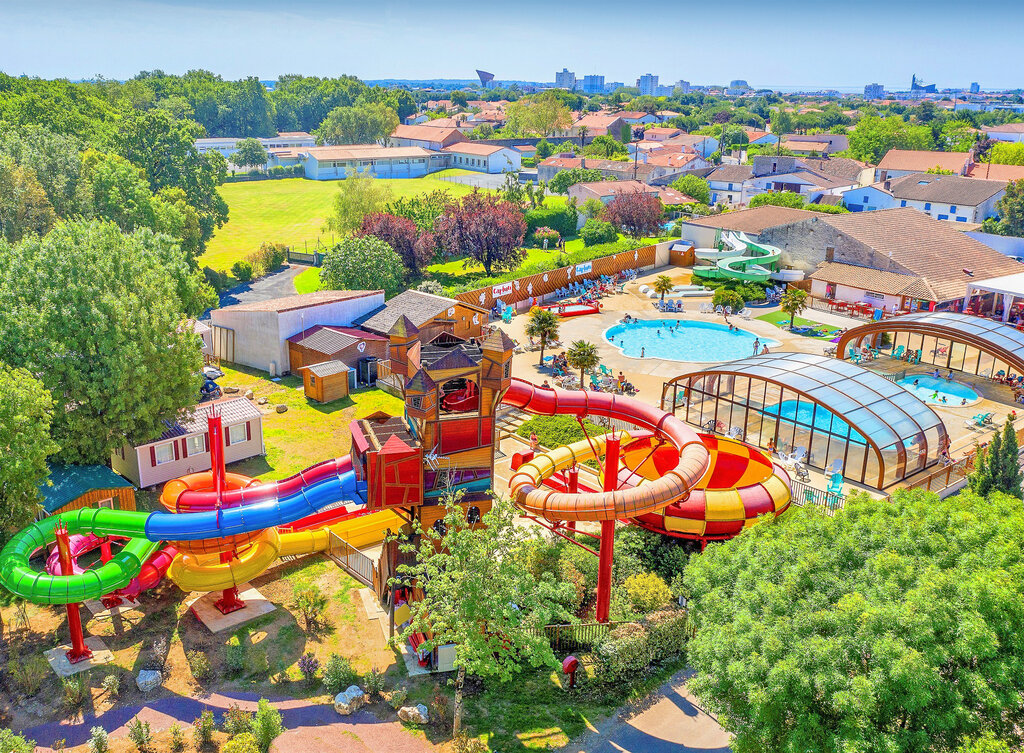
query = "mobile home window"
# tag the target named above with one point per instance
(107, 503)
(196, 445)
(237, 433)
(164, 453)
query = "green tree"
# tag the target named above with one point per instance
(583, 356)
(1007, 154)
(725, 297)
(363, 124)
(363, 263)
(97, 315)
(24, 208)
(266, 725)
(544, 149)
(12, 743)
(1011, 211)
(997, 466)
(891, 627)
(250, 152)
(778, 199)
(542, 324)
(459, 98)
(592, 208)
(358, 195)
(481, 596)
(543, 114)
(605, 146)
(564, 179)
(793, 302)
(662, 285)
(781, 122)
(693, 186)
(26, 413)
(875, 136)
(55, 159)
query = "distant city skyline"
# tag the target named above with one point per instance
(882, 42)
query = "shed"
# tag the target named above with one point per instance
(326, 381)
(328, 343)
(73, 487)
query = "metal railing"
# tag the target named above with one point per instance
(576, 637)
(897, 376)
(808, 496)
(351, 560)
(946, 476)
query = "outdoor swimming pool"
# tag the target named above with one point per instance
(804, 413)
(679, 340)
(932, 390)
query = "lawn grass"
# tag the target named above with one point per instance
(776, 317)
(307, 281)
(293, 211)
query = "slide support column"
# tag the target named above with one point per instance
(78, 651)
(572, 481)
(604, 566)
(229, 601)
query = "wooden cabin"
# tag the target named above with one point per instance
(72, 487)
(326, 381)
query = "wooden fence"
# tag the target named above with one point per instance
(542, 283)
(576, 637)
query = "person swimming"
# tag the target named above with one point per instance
(917, 382)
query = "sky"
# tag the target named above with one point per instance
(770, 44)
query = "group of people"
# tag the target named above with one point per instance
(757, 344)
(560, 365)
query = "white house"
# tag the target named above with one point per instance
(256, 334)
(184, 447)
(485, 158)
(705, 146)
(898, 163)
(943, 197)
(868, 198)
(727, 183)
(228, 145)
(1005, 132)
(632, 118)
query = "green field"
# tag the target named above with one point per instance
(293, 211)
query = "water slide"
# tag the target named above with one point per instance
(743, 260)
(150, 574)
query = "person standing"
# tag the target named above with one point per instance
(757, 344)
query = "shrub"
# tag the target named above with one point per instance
(217, 278)
(234, 657)
(236, 721)
(373, 682)
(338, 674)
(98, 742)
(200, 665)
(111, 685)
(550, 235)
(596, 231)
(725, 297)
(266, 725)
(75, 690)
(311, 603)
(259, 663)
(203, 728)
(463, 743)
(624, 655)
(555, 431)
(29, 674)
(562, 219)
(667, 632)
(309, 665)
(177, 738)
(244, 743)
(440, 707)
(242, 270)
(431, 286)
(140, 734)
(398, 698)
(647, 592)
(12, 743)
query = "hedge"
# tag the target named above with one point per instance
(562, 219)
(668, 631)
(625, 654)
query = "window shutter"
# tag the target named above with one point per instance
(152, 455)
(206, 441)
(184, 448)
(227, 436)
(248, 431)
(177, 450)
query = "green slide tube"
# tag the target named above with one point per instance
(42, 588)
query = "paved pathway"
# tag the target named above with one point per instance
(310, 727)
(276, 285)
(668, 721)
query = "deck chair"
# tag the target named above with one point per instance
(719, 310)
(835, 483)
(898, 353)
(745, 313)
(605, 370)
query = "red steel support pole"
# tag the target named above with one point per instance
(604, 566)
(572, 481)
(79, 651)
(229, 601)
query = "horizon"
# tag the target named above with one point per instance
(235, 39)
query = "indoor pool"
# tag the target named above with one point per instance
(939, 391)
(823, 419)
(679, 340)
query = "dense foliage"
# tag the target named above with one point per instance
(564, 179)
(363, 262)
(638, 214)
(483, 228)
(997, 466)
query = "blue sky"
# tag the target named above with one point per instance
(782, 43)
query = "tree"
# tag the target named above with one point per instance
(693, 186)
(793, 302)
(592, 208)
(401, 234)
(1007, 154)
(563, 179)
(542, 324)
(636, 212)
(250, 152)
(362, 124)
(725, 297)
(875, 136)
(662, 285)
(543, 114)
(358, 195)
(266, 724)
(24, 208)
(544, 149)
(891, 627)
(459, 98)
(595, 232)
(98, 316)
(422, 210)
(480, 595)
(582, 355)
(781, 123)
(1011, 211)
(25, 416)
(582, 132)
(12, 743)
(778, 199)
(997, 466)
(485, 229)
(363, 263)
(605, 146)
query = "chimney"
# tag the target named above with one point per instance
(887, 184)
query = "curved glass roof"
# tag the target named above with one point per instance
(998, 334)
(884, 412)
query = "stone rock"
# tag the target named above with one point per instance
(281, 408)
(148, 680)
(231, 390)
(414, 714)
(249, 395)
(262, 401)
(349, 700)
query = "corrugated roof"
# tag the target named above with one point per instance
(418, 306)
(69, 482)
(754, 220)
(233, 410)
(327, 368)
(324, 339)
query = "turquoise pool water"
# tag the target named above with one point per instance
(679, 340)
(938, 391)
(822, 419)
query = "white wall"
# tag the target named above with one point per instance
(853, 295)
(698, 235)
(1004, 244)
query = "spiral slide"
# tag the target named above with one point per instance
(150, 574)
(254, 509)
(735, 264)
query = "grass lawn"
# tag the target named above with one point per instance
(308, 280)
(293, 211)
(776, 317)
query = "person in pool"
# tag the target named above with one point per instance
(935, 395)
(917, 382)
(757, 344)
(943, 400)
(949, 376)
(642, 351)
(936, 373)
(964, 401)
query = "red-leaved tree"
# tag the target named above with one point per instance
(415, 248)
(637, 213)
(485, 228)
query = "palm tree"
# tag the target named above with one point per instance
(793, 302)
(542, 324)
(663, 284)
(582, 131)
(582, 355)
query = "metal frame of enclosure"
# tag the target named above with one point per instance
(879, 431)
(970, 344)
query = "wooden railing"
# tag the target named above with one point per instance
(576, 637)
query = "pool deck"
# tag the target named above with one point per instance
(648, 374)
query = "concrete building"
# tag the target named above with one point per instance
(1013, 132)
(565, 79)
(874, 91)
(228, 145)
(256, 334)
(900, 162)
(950, 198)
(337, 162)
(185, 446)
(647, 83)
(975, 87)
(485, 158)
(426, 137)
(593, 84)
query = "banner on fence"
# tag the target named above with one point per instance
(501, 290)
(585, 268)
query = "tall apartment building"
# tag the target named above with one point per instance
(975, 87)
(647, 84)
(593, 84)
(565, 79)
(874, 91)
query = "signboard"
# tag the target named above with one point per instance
(504, 289)
(584, 268)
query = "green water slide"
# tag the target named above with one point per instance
(748, 261)
(41, 588)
